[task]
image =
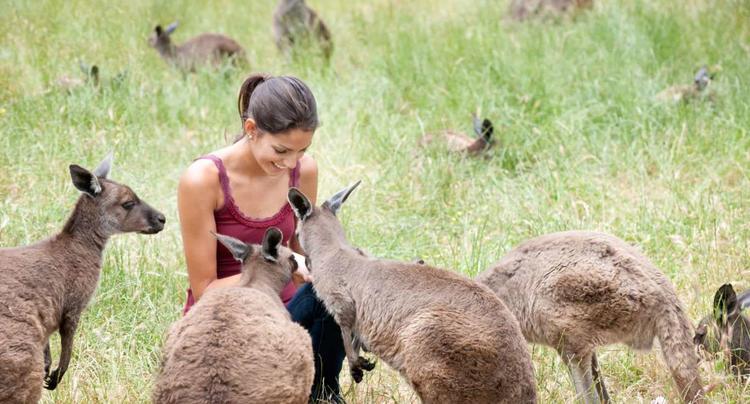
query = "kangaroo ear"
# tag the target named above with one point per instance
(725, 304)
(102, 171)
(84, 180)
(271, 242)
(300, 204)
(240, 251)
(334, 203)
(159, 31)
(743, 300)
(171, 27)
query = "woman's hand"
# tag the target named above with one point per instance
(302, 274)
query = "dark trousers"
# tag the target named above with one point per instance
(328, 348)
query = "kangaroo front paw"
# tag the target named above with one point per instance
(365, 364)
(356, 374)
(51, 380)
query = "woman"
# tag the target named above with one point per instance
(241, 190)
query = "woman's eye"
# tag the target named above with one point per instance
(280, 151)
(128, 205)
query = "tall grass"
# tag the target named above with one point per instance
(581, 145)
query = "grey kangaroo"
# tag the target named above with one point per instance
(45, 286)
(451, 338)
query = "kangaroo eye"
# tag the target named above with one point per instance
(128, 205)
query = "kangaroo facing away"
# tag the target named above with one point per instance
(727, 330)
(238, 344)
(294, 22)
(451, 338)
(578, 290)
(45, 286)
(199, 50)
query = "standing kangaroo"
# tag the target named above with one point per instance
(451, 338)
(45, 286)
(577, 290)
(294, 22)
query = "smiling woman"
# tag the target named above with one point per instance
(240, 191)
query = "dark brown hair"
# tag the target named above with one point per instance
(277, 104)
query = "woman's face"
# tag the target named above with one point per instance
(278, 153)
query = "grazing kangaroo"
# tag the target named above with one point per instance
(199, 50)
(523, 9)
(578, 290)
(727, 329)
(458, 142)
(451, 338)
(690, 91)
(238, 344)
(294, 22)
(45, 286)
(91, 73)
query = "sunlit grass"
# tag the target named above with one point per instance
(581, 145)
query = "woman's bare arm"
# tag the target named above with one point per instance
(197, 197)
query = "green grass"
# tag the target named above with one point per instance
(582, 145)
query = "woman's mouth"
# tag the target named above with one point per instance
(279, 167)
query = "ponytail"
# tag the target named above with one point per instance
(246, 91)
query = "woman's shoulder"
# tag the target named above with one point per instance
(308, 167)
(308, 177)
(201, 175)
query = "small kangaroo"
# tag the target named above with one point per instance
(703, 77)
(45, 286)
(294, 22)
(449, 337)
(199, 50)
(727, 329)
(579, 290)
(91, 76)
(238, 344)
(523, 9)
(458, 142)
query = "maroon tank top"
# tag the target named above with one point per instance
(231, 221)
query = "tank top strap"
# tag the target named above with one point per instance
(223, 177)
(294, 176)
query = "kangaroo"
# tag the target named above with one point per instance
(295, 22)
(238, 344)
(45, 286)
(703, 77)
(727, 329)
(578, 290)
(457, 142)
(523, 9)
(91, 73)
(200, 50)
(448, 336)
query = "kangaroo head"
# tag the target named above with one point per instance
(160, 39)
(706, 338)
(702, 79)
(316, 222)
(118, 208)
(270, 261)
(483, 129)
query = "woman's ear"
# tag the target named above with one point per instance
(250, 127)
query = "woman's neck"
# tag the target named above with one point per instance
(239, 157)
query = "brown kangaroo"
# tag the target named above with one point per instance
(200, 50)
(238, 344)
(45, 286)
(578, 290)
(294, 22)
(451, 338)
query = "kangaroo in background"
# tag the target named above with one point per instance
(727, 329)
(294, 23)
(200, 50)
(451, 338)
(576, 291)
(45, 286)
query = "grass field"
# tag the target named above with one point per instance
(581, 145)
